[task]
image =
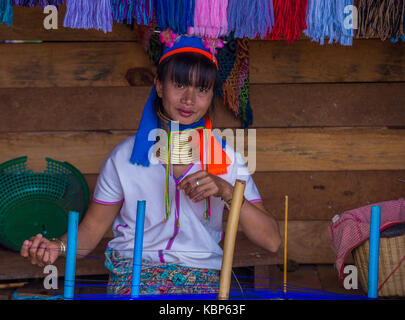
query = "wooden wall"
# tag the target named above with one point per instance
(330, 120)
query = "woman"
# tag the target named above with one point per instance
(185, 192)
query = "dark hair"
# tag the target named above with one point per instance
(189, 69)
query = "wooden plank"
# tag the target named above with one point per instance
(328, 105)
(276, 149)
(85, 150)
(28, 25)
(320, 195)
(274, 106)
(308, 62)
(308, 243)
(81, 109)
(73, 64)
(330, 149)
(13, 266)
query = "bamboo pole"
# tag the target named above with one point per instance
(230, 237)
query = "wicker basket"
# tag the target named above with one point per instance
(392, 252)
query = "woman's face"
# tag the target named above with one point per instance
(185, 104)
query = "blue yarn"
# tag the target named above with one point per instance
(160, 14)
(251, 18)
(326, 18)
(177, 15)
(6, 12)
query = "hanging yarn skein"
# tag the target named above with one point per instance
(250, 19)
(383, 19)
(6, 12)
(88, 14)
(139, 10)
(178, 15)
(326, 18)
(290, 19)
(41, 3)
(210, 19)
(236, 87)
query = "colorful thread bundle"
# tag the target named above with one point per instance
(210, 18)
(326, 18)
(178, 15)
(89, 14)
(6, 12)
(34, 3)
(139, 10)
(250, 19)
(290, 19)
(236, 87)
(384, 19)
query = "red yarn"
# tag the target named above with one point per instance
(290, 19)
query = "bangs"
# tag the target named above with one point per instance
(190, 69)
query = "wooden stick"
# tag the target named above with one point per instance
(230, 237)
(12, 285)
(285, 244)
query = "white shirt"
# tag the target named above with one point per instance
(196, 242)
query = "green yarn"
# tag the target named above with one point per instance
(6, 12)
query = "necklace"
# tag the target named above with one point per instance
(184, 145)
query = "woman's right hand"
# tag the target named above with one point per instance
(40, 251)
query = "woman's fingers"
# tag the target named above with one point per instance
(40, 251)
(34, 248)
(25, 247)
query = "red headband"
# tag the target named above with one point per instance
(190, 49)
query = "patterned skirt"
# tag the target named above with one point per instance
(158, 278)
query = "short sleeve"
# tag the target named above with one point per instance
(108, 189)
(240, 171)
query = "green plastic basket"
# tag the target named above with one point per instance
(32, 203)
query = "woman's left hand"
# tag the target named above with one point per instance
(201, 185)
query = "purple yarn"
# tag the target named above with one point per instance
(89, 14)
(250, 18)
(42, 3)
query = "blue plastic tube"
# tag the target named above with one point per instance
(374, 251)
(70, 267)
(138, 244)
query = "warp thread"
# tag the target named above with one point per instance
(42, 3)
(250, 19)
(178, 15)
(89, 14)
(383, 19)
(210, 19)
(326, 18)
(290, 20)
(139, 10)
(6, 12)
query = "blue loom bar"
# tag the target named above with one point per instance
(70, 267)
(138, 245)
(374, 252)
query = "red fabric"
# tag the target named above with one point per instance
(215, 148)
(353, 227)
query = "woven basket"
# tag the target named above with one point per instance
(392, 252)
